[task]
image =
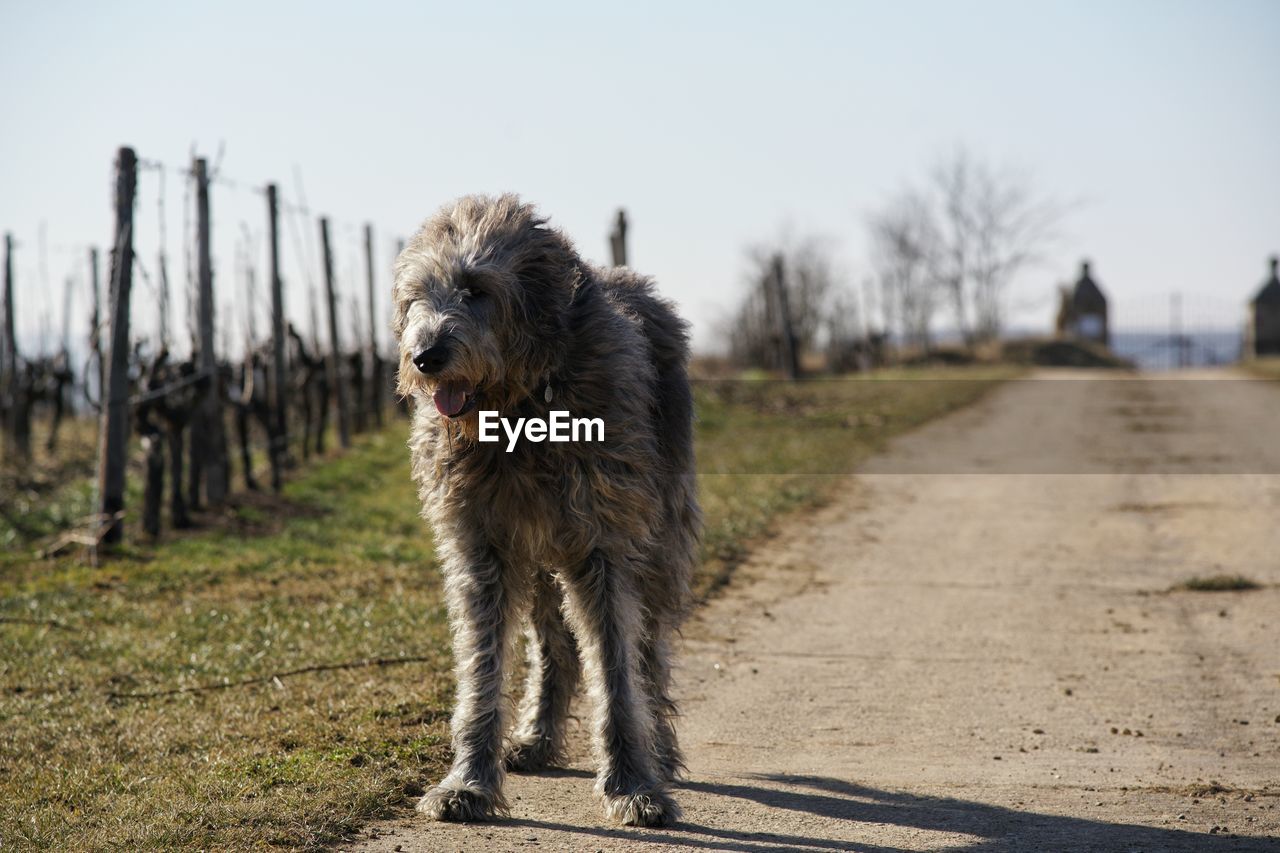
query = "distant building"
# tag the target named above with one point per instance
(1082, 312)
(1264, 317)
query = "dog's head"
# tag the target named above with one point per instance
(479, 302)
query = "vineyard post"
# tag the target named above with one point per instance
(8, 347)
(618, 240)
(280, 439)
(786, 334)
(335, 348)
(213, 451)
(95, 321)
(114, 420)
(375, 359)
(19, 388)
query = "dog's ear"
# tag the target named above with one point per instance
(548, 271)
(549, 262)
(405, 274)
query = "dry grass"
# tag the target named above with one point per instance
(308, 634)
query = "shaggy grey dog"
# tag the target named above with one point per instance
(589, 544)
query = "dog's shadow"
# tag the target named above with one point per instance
(832, 812)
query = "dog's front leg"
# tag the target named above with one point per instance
(605, 614)
(481, 613)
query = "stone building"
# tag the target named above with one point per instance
(1083, 310)
(1263, 333)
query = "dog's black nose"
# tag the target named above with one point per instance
(432, 359)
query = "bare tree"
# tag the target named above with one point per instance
(810, 279)
(847, 337)
(991, 224)
(963, 239)
(905, 248)
(750, 330)
(952, 182)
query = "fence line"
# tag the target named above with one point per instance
(179, 407)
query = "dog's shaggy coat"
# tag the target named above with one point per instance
(591, 545)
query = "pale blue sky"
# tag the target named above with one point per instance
(715, 124)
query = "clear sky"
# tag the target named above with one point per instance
(715, 124)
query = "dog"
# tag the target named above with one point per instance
(590, 545)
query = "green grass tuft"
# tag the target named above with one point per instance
(1217, 583)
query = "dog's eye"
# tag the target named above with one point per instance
(471, 290)
(468, 286)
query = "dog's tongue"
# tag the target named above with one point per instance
(450, 397)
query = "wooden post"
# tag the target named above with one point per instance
(177, 504)
(280, 438)
(8, 346)
(375, 359)
(786, 334)
(357, 384)
(95, 320)
(335, 344)
(162, 272)
(153, 492)
(114, 420)
(618, 240)
(313, 311)
(68, 287)
(213, 440)
(15, 382)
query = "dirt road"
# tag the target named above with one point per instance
(974, 647)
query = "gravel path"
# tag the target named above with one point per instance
(974, 647)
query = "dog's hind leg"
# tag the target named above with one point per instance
(482, 614)
(655, 662)
(605, 614)
(538, 740)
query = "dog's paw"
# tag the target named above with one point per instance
(532, 755)
(652, 808)
(461, 805)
